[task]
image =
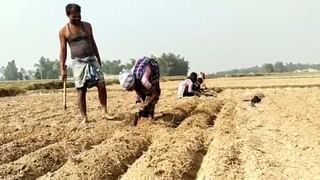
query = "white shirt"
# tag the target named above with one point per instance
(187, 83)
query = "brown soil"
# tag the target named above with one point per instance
(190, 138)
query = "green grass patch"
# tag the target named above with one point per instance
(172, 78)
(11, 91)
(48, 85)
(112, 81)
(13, 88)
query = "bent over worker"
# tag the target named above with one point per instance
(144, 79)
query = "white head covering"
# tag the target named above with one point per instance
(126, 79)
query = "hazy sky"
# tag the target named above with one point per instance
(213, 35)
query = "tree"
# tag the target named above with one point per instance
(268, 68)
(290, 67)
(47, 69)
(279, 67)
(130, 64)
(2, 73)
(171, 65)
(163, 64)
(11, 71)
(30, 74)
(112, 67)
(2, 68)
(22, 74)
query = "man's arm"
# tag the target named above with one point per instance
(63, 53)
(154, 94)
(94, 45)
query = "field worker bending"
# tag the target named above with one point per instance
(86, 61)
(186, 86)
(143, 78)
(197, 86)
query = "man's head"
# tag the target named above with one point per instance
(73, 12)
(193, 77)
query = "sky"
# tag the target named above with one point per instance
(213, 35)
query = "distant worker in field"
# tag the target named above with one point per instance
(197, 86)
(144, 79)
(202, 90)
(86, 61)
(186, 87)
(203, 76)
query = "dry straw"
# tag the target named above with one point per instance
(177, 155)
(35, 164)
(108, 160)
(16, 149)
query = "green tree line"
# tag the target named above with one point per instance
(170, 65)
(278, 67)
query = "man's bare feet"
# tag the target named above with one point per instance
(84, 121)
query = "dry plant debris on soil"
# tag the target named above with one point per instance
(191, 138)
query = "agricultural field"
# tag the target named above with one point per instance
(201, 138)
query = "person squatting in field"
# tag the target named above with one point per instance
(86, 61)
(186, 87)
(197, 86)
(144, 79)
(200, 86)
(202, 90)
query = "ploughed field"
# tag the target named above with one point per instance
(192, 138)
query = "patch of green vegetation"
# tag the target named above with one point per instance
(13, 88)
(48, 85)
(11, 91)
(172, 78)
(112, 81)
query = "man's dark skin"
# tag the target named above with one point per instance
(75, 26)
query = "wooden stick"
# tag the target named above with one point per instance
(65, 93)
(136, 118)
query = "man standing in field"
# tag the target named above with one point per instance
(86, 62)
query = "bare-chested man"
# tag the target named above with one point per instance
(86, 60)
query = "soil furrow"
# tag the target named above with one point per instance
(177, 155)
(222, 158)
(40, 162)
(106, 161)
(14, 150)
